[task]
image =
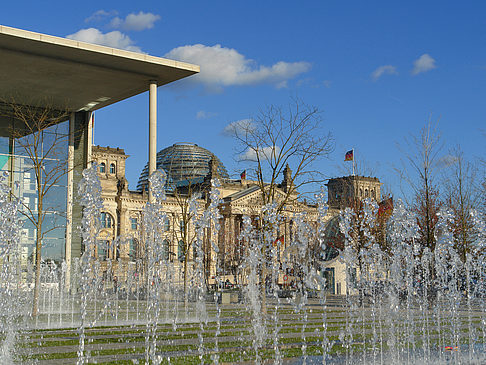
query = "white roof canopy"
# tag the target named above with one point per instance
(72, 75)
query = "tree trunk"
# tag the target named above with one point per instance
(38, 246)
(186, 299)
(432, 289)
(263, 283)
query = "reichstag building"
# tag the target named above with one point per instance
(189, 170)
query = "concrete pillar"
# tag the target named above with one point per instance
(90, 138)
(81, 147)
(152, 131)
(69, 200)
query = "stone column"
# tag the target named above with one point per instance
(152, 131)
(124, 224)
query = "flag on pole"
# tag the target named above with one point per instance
(349, 156)
(243, 175)
(385, 208)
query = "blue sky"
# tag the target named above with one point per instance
(377, 70)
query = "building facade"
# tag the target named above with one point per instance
(121, 241)
(343, 192)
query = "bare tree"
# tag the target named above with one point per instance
(420, 171)
(482, 183)
(461, 198)
(38, 137)
(233, 253)
(279, 139)
(185, 234)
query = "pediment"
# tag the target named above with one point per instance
(252, 197)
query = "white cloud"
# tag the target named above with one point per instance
(221, 66)
(423, 64)
(99, 15)
(383, 70)
(264, 153)
(239, 127)
(136, 22)
(113, 39)
(202, 114)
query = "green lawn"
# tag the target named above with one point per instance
(187, 343)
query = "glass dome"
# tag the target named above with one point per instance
(183, 161)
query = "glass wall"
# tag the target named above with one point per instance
(4, 153)
(39, 160)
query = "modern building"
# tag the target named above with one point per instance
(67, 80)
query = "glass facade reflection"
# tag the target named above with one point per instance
(19, 157)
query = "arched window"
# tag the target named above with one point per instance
(165, 249)
(166, 224)
(132, 249)
(102, 167)
(181, 251)
(360, 193)
(106, 220)
(373, 195)
(366, 193)
(112, 168)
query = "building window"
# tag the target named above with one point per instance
(366, 193)
(165, 249)
(132, 249)
(166, 224)
(134, 223)
(181, 251)
(112, 168)
(182, 226)
(106, 220)
(102, 167)
(102, 250)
